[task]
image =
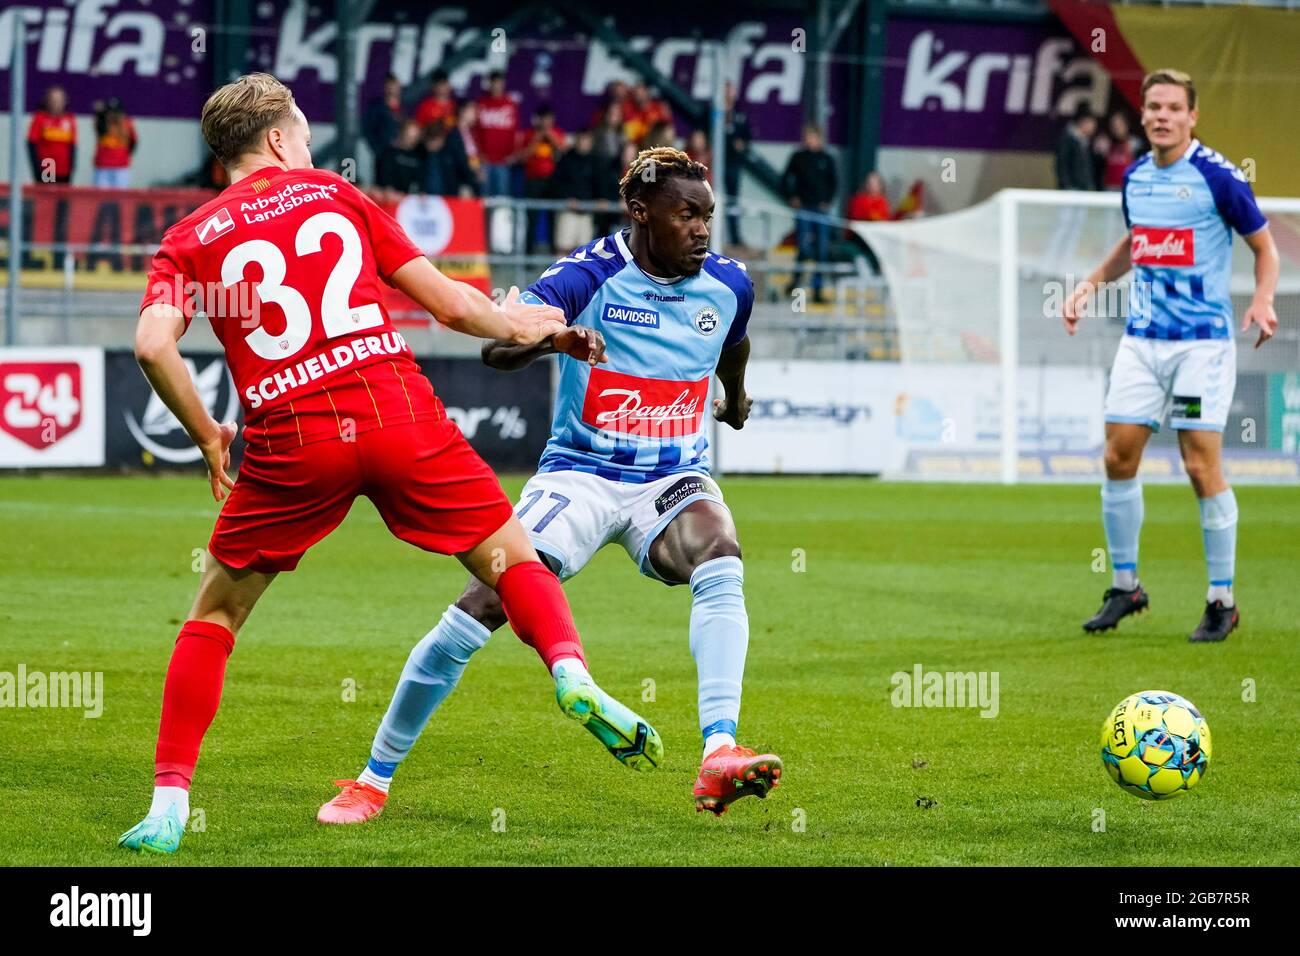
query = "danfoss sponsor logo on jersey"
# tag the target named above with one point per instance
(645, 407)
(631, 315)
(1162, 247)
(289, 380)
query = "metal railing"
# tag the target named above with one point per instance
(71, 304)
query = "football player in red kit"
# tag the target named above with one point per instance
(287, 263)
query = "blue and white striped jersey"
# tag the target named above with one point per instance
(1181, 219)
(641, 416)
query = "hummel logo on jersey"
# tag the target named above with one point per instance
(662, 297)
(631, 315)
(1162, 247)
(215, 225)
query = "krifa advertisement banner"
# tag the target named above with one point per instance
(156, 56)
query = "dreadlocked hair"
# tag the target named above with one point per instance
(653, 166)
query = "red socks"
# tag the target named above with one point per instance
(190, 699)
(536, 607)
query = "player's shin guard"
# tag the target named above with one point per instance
(1219, 531)
(191, 696)
(1121, 515)
(719, 641)
(538, 611)
(431, 673)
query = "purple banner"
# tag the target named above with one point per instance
(948, 83)
(156, 55)
(971, 85)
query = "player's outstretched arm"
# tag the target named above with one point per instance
(156, 334)
(1267, 267)
(1115, 265)
(584, 344)
(463, 308)
(733, 408)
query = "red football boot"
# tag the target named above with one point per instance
(730, 773)
(357, 803)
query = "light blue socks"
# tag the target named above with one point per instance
(719, 641)
(1219, 531)
(1121, 516)
(431, 673)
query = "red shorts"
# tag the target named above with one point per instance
(430, 487)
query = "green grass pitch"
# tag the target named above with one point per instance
(97, 577)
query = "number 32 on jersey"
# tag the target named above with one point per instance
(337, 317)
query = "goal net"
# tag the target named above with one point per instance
(990, 387)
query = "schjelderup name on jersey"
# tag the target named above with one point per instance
(288, 381)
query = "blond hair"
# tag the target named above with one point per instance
(1170, 78)
(653, 166)
(237, 115)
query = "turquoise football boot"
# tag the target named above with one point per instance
(158, 833)
(629, 739)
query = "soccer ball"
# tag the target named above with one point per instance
(1155, 745)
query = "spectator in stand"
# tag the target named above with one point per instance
(400, 169)
(608, 191)
(496, 133)
(810, 183)
(212, 175)
(1074, 165)
(462, 136)
(52, 139)
(115, 142)
(607, 135)
(869, 203)
(1116, 150)
(625, 161)
(439, 107)
(739, 136)
(615, 95)
(447, 170)
(661, 134)
(697, 148)
(539, 152)
(383, 117)
(644, 112)
(579, 178)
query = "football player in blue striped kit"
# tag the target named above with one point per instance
(653, 315)
(1182, 202)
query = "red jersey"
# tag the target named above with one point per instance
(497, 129)
(868, 208)
(540, 156)
(54, 137)
(1119, 157)
(433, 110)
(638, 121)
(287, 265)
(114, 146)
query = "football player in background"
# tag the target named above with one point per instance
(626, 463)
(1182, 202)
(335, 407)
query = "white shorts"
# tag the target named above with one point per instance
(1190, 381)
(570, 515)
